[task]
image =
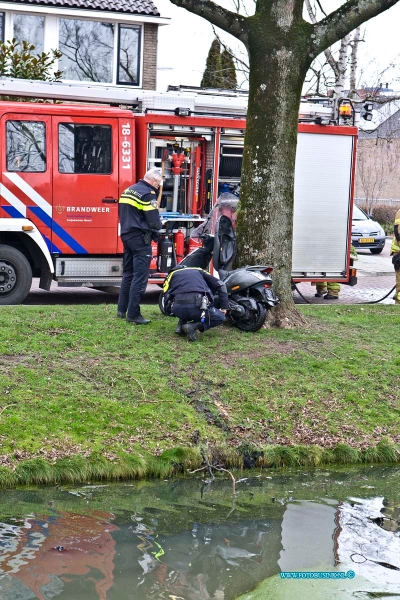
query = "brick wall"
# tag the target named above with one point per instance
(150, 56)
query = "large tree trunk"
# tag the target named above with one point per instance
(265, 219)
(281, 47)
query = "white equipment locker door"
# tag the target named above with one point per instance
(322, 194)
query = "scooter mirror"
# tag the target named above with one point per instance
(224, 244)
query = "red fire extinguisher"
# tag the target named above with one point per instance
(179, 242)
(193, 244)
(154, 253)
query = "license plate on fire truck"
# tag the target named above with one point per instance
(366, 240)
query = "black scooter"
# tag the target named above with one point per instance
(249, 288)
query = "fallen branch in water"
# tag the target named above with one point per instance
(212, 467)
(378, 562)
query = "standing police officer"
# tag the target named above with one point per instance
(140, 222)
(191, 290)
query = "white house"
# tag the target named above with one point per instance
(105, 41)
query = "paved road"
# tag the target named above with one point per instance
(375, 279)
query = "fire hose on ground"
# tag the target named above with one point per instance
(294, 286)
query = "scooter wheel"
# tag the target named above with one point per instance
(253, 320)
(161, 304)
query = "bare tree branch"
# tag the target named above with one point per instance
(349, 16)
(238, 4)
(328, 53)
(320, 8)
(354, 61)
(341, 66)
(245, 66)
(227, 20)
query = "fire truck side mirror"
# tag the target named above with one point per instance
(367, 114)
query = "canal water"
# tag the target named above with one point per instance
(290, 534)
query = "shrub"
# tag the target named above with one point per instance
(384, 214)
(19, 60)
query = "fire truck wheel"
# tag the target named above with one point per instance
(15, 276)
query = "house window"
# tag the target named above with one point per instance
(29, 28)
(84, 148)
(128, 55)
(88, 49)
(26, 146)
(91, 50)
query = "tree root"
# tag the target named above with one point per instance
(285, 317)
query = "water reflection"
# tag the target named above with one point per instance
(211, 561)
(42, 556)
(374, 550)
(178, 540)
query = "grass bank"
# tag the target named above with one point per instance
(84, 395)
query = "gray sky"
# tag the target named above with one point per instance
(184, 44)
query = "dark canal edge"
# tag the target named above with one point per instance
(97, 466)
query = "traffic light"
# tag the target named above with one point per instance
(367, 114)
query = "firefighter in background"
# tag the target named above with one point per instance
(329, 290)
(189, 295)
(395, 254)
(140, 223)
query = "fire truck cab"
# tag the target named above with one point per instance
(64, 166)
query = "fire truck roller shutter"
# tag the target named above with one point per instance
(230, 164)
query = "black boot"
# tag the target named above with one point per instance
(139, 320)
(179, 327)
(190, 330)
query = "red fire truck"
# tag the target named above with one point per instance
(64, 166)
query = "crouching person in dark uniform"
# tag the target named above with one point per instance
(190, 293)
(140, 223)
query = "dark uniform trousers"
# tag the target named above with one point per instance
(184, 307)
(136, 269)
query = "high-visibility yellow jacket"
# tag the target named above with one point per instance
(395, 247)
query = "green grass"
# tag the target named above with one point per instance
(85, 395)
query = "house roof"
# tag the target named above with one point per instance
(382, 117)
(137, 7)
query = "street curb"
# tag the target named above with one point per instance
(375, 273)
